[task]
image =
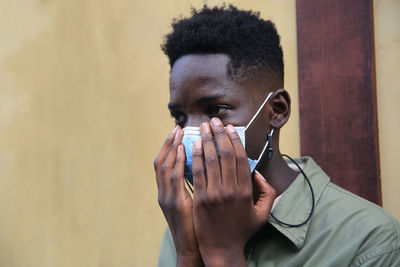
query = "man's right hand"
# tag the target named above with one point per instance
(174, 199)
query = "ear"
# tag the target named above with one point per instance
(280, 108)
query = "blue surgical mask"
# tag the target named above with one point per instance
(192, 134)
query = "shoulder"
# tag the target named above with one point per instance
(374, 231)
(346, 204)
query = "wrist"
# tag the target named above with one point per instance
(189, 260)
(222, 258)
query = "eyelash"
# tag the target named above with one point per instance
(177, 114)
(213, 114)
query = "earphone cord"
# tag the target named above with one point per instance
(272, 215)
(312, 197)
(189, 185)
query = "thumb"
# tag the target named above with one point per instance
(267, 195)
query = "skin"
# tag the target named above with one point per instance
(228, 207)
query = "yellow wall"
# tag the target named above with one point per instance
(83, 95)
(387, 49)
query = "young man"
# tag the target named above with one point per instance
(249, 207)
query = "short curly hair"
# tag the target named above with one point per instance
(252, 44)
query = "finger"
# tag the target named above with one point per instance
(169, 163)
(199, 177)
(266, 198)
(242, 163)
(210, 157)
(226, 152)
(163, 154)
(177, 178)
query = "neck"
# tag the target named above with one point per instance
(277, 173)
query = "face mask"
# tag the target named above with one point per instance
(192, 134)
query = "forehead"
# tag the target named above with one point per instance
(206, 68)
(199, 74)
(203, 64)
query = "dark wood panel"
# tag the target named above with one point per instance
(337, 91)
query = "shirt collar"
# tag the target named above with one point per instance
(295, 203)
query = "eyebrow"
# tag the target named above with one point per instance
(209, 98)
(201, 100)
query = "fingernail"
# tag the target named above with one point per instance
(231, 128)
(216, 122)
(205, 127)
(177, 134)
(179, 150)
(197, 144)
(174, 130)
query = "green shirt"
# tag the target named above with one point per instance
(344, 230)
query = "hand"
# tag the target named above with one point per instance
(225, 216)
(174, 199)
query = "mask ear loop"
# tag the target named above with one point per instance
(258, 111)
(269, 139)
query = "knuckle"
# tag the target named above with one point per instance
(179, 206)
(161, 200)
(169, 137)
(179, 160)
(235, 138)
(156, 163)
(241, 159)
(175, 144)
(197, 171)
(219, 131)
(228, 195)
(246, 194)
(214, 200)
(166, 205)
(227, 153)
(212, 159)
(196, 153)
(200, 200)
(174, 177)
(164, 168)
(207, 138)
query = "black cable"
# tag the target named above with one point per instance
(312, 197)
(189, 185)
(276, 219)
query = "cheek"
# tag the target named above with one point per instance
(256, 137)
(235, 116)
(254, 144)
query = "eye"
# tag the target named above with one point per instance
(179, 117)
(217, 110)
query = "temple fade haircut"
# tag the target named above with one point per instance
(252, 44)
